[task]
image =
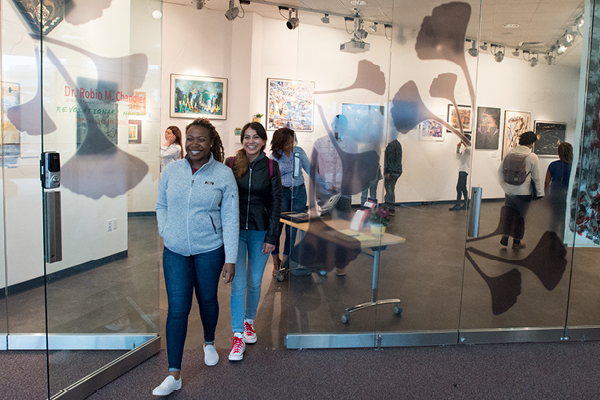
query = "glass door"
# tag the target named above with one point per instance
(81, 85)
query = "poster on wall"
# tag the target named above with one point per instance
(549, 136)
(10, 139)
(197, 96)
(465, 118)
(290, 104)
(431, 130)
(366, 122)
(488, 128)
(135, 131)
(515, 124)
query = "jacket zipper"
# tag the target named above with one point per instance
(249, 191)
(188, 214)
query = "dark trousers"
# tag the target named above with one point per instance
(461, 187)
(183, 274)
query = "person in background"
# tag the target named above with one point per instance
(372, 190)
(392, 169)
(463, 153)
(292, 159)
(519, 196)
(329, 164)
(172, 149)
(556, 185)
(197, 213)
(259, 185)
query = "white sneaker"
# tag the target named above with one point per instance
(237, 349)
(211, 357)
(168, 386)
(249, 333)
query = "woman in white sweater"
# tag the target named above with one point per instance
(171, 150)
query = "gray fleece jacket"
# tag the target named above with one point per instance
(198, 213)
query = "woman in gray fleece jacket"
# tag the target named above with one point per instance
(198, 219)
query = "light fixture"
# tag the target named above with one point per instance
(516, 53)
(561, 49)
(373, 27)
(473, 52)
(550, 58)
(200, 4)
(359, 31)
(325, 19)
(293, 22)
(156, 14)
(499, 55)
(533, 61)
(483, 47)
(580, 22)
(232, 12)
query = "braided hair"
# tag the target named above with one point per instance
(216, 147)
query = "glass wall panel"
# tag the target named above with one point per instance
(431, 79)
(343, 135)
(517, 267)
(582, 217)
(81, 80)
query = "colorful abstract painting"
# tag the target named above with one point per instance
(515, 124)
(488, 128)
(290, 104)
(431, 130)
(465, 117)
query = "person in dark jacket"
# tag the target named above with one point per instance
(392, 169)
(259, 187)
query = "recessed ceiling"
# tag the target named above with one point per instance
(539, 21)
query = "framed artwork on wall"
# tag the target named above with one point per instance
(197, 96)
(290, 104)
(11, 96)
(515, 124)
(465, 117)
(431, 130)
(488, 128)
(550, 135)
(135, 131)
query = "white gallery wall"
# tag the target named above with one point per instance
(250, 50)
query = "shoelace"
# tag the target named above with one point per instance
(249, 329)
(237, 345)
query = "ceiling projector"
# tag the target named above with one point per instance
(355, 46)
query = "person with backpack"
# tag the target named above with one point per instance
(519, 175)
(259, 186)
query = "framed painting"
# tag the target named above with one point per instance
(515, 124)
(11, 96)
(487, 133)
(197, 96)
(290, 104)
(431, 130)
(135, 131)
(366, 122)
(465, 118)
(549, 136)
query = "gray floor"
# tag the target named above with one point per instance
(428, 273)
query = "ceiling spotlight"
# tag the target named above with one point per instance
(499, 56)
(533, 61)
(359, 31)
(373, 27)
(561, 49)
(483, 47)
(580, 22)
(200, 4)
(233, 12)
(292, 23)
(325, 19)
(516, 53)
(473, 52)
(550, 58)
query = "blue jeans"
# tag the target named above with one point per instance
(183, 274)
(293, 200)
(373, 192)
(245, 288)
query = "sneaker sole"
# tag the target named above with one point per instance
(211, 364)
(236, 358)
(250, 340)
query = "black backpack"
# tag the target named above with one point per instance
(514, 169)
